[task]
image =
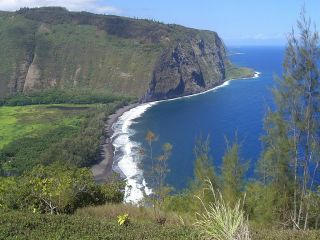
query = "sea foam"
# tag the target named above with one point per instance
(126, 155)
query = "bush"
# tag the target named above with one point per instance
(113, 191)
(220, 221)
(56, 189)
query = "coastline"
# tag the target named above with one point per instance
(104, 169)
(225, 83)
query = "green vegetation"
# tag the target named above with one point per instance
(46, 191)
(56, 96)
(78, 50)
(233, 174)
(56, 189)
(20, 225)
(290, 161)
(100, 222)
(44, 149)
(30, 121)
(44, 134)
(220, 220)
(157, 176)
(236, 72)
(203, 168)
(50, 47)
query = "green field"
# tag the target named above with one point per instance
(45, 134)
(31, 121)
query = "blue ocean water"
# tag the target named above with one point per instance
(238, 107)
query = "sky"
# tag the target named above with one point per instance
(245, 22)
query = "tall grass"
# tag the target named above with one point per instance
(220, 220)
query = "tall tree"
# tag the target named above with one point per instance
(157, 176)
(232, 173)
(150, 138)
(291, 155)
(203, 164)
(161, 189)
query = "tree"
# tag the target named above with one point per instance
(157, 177)
(151, 137)
(204, 171)
(161, 190)
(232, 174)
(290, 160)
(57, 189)
(203, 164)
(12, 194)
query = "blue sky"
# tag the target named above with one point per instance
(246, 22)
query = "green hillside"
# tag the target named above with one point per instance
(70, 55)
(51, 47)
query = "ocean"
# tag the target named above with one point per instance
(237, 106)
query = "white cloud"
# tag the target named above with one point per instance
(262, 36)
(73, 5)
(108, 9)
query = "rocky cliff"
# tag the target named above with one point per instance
(191, 65)
(52, 47)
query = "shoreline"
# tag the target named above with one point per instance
(102, 170)
(225, 83)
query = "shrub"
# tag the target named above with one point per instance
(220, 221)
(55, 189)
(113, 191)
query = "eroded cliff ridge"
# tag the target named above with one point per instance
(53, 48)
(195, 63)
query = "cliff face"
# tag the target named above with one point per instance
(51, 47)
(189, 66)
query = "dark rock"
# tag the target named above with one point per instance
(196, 63)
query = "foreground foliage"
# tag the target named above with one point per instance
(157, 176)
(44, 150)
(22, 225)
(290, 161)
(56, 189)
(220, 220)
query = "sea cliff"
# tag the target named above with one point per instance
(53, 48)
